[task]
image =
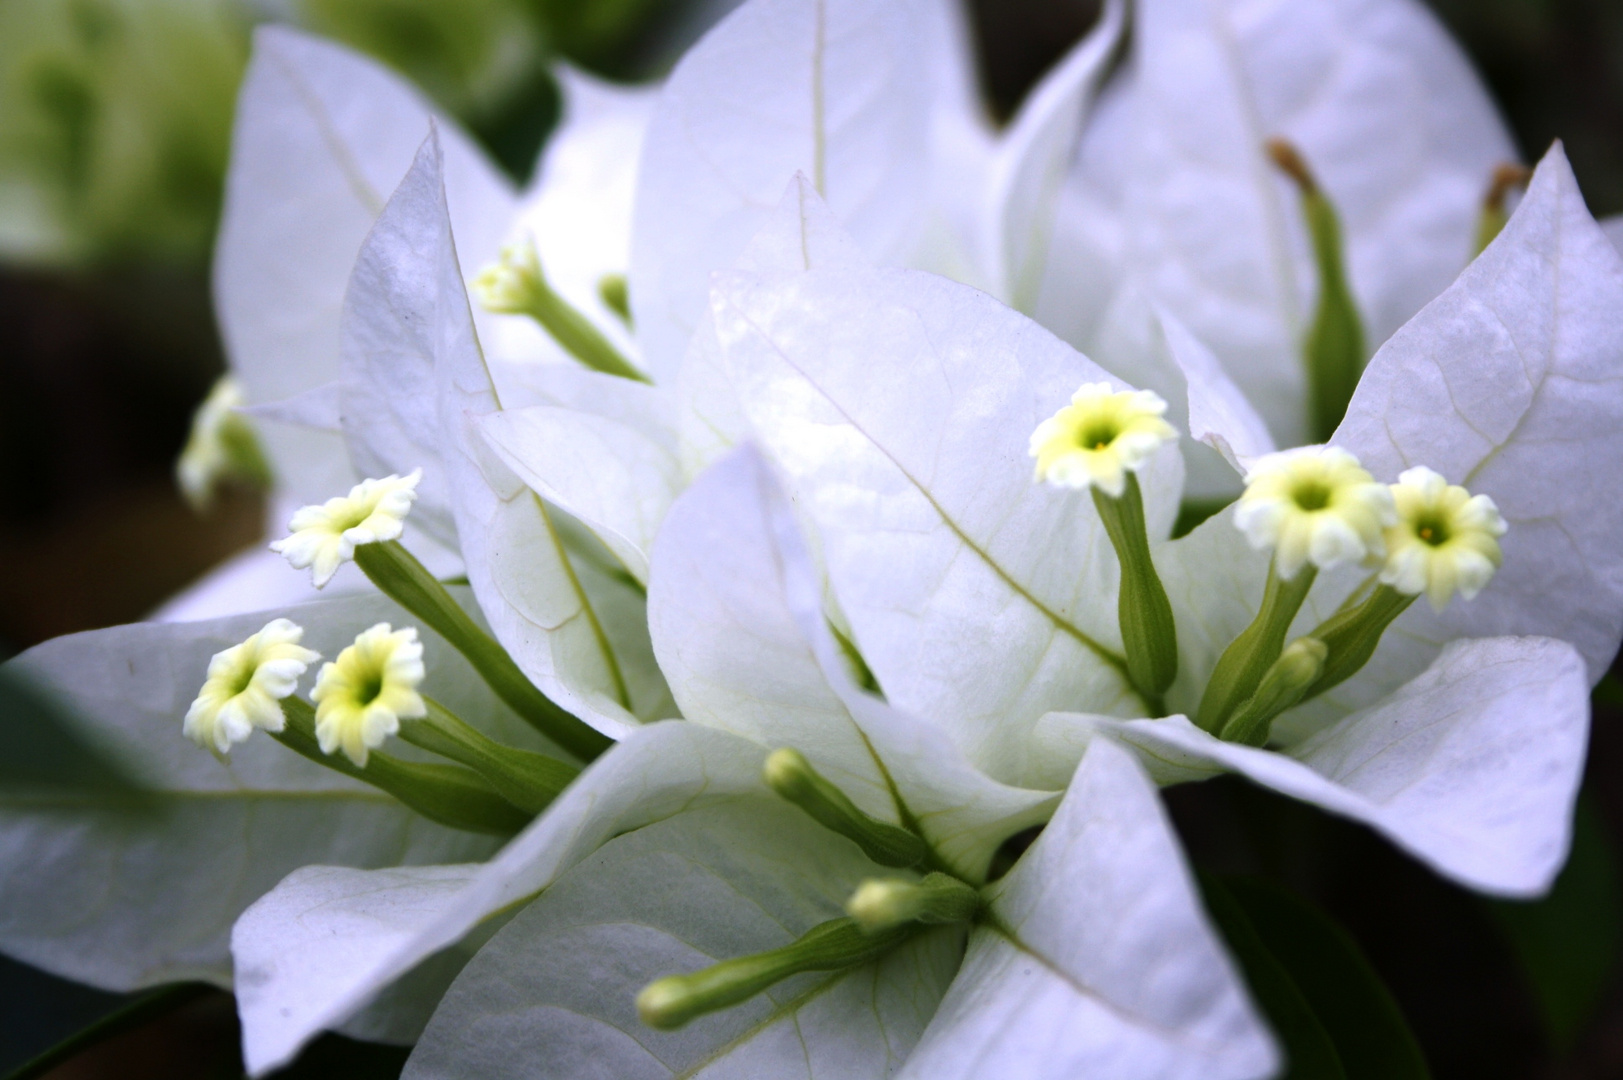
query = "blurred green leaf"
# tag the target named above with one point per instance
(1567, 943)
(1333, 1015)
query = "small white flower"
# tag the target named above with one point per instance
(245, 684)
(221, 444)
(1314, 504)
(509, 286)
(363, 695)
(325, 537)
(1445, 538)
(1100, 437)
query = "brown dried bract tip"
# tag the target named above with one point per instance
(1505, 177)
(1289, 160)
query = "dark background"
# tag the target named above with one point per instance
(100, 369)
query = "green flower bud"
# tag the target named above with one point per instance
(788, 773)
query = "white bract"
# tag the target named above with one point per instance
(1174, 208)
(897, 406)
(671, 853)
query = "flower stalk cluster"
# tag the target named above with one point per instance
(516, 285)
(371, 691)
(1314, 508)
(881, 914)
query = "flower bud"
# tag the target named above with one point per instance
(788, 773)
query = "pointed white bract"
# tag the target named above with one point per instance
(322, 137)
(1174, 197)
(835, 89)
(534, 582)
(899, 406)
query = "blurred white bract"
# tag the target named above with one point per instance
(740, 464)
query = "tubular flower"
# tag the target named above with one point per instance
(221, 445)
(509, 285)
(1445, 539)
(1100, 437)
(325, 537)
(1314, 504)
(245, 685)
(363, 695)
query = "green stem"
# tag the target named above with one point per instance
(670, 1002)
(1240, 669)
(1284, 685)
(576, 333)
(528, 780)
(1334, 349)
(403, 579)
(788, 773)
(1148, 634)
(1352, 634)
(449, 794)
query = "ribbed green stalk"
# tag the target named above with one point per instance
(1494, 216)
(1334, 349)
(403, 579)
(448, 794)
(528, 780)
(1240, 669)
(575, 332)
(1284, 685)
(788, 773)
(1148, 634)
(670, 1002)
(1352, 634)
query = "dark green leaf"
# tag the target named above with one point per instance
(1308, 1050)
(1567, 942)
(1324, 965)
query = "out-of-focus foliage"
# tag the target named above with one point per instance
(115, 121)
(471, 56)
(115, 115)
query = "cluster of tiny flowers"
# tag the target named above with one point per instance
(245, 686)
(1444, 540)
(1100, 437)
(1317, 504)
(363, 695)
(509, 285)
(1314, 504)
(325, 537)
